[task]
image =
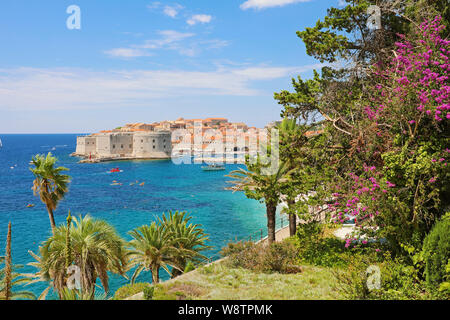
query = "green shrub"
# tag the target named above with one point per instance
(310, 232)
(318, 249)
(278, 257)
(162, 293)
(130, 290)
(236, 247)
(398, 281)
(444, 288)
(189, 267)
(148, 293)
(436, 249)
(242, 255)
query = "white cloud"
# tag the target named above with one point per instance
(61, 89)
(169, 39)
(126, 53)
(154, 5)
(262, 4)
(172, 11)
(199, 18)
(180, 42)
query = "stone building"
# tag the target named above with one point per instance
(125, 145)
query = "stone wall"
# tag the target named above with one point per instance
(139, 145)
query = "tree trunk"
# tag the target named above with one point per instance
(271, 210)
(52, 220)
(8, 265)
(155, 274)
(176, 272)
(292, 220)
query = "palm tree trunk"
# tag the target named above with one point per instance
(292, 220)
(8, 265)
(52, 219)
(271, 210)
(175, 271)
(155, 274)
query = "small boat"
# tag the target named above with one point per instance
(142, 184)
(213, 167)
(115, 170)
(30, 205)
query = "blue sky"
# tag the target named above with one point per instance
(145, 61)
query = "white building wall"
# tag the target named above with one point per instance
(81, 150)
(121, 144)
(152, 145)
(103, 145)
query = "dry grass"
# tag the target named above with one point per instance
(219, 282)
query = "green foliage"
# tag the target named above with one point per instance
(190, 240)
(189, 267)
(17, 280)
(68, 294)
(398, 281)
(318, 249)
(148, 293)
(262, 182)
(278, 257)
(310, 232)
(170, 242)
(50, 183)
(436, 248)
(130, 290)
(162, 293)
(445, 286)
(96, 249)
(152, 248)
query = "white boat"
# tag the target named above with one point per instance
(213, 167)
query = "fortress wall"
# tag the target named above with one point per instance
(103, 145)
(90, 145)
(122, 143)
(152, 145)
(81, 150)
(156, 145)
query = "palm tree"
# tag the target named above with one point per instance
(188, 238)
(49, 183)
(262, 186)
(95, 247)
(152, 248)
(8, 278)
(292, 137)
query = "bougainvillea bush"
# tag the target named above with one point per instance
(405, 185)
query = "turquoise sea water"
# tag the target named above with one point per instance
(224, 215)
